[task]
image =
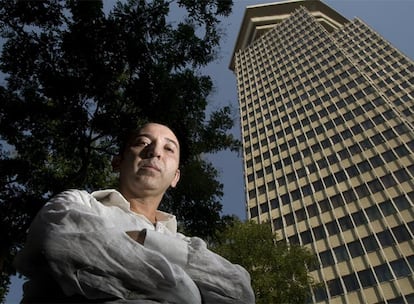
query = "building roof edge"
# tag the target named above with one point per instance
(259, 16)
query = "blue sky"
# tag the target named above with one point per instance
(390, 18)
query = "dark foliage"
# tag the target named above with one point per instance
(279, 272)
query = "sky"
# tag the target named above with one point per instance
(392, 19)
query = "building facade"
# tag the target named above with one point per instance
(326, 108)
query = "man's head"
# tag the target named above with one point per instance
(148, 162)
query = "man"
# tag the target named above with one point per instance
(117, 247)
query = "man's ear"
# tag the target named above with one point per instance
(176, 178)
(116, 163)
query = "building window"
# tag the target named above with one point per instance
(366, 277)
(341, 254)
(370, 243)
(332, 228)
(351, 282)
(344, 154)
(362, 190)
(402, 202)
(306, 237)
(278, 223)
(359, 218)
(262, 189)
(389, 134)
(335, 287)
(289, 219)
(300, 214)
(355, 249)
(324, 205)
(401, 233)
(333, 159)
(400, 268)
(317, 185)
(254, 212)
(377, 139)
(312, 210)
(294, 239)
(402, 151)
(349, 196)
(401, 129)
(387, 208)
(385, 238)
(364, 166)
(274, 203)
(373, 213)
(366, 144)
(383, 273)
(319, 233)
(320, 294)
(376, 161)
(322, 163)
(326, 258)
(375, 186)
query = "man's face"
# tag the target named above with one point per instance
(149, 164)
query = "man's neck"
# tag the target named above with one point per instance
(146, 207)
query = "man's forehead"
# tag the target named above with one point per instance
(153, 130)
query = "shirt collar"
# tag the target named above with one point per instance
(111, 197)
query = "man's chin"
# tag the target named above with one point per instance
(148, 182)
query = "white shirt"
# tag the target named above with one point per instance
(78, 241)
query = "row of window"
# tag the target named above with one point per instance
(367, 244)
(296, 72)
(324, 144)
(367, 278)
(322, 161)
(365, 189)
(327, 80)
(335, 120)
(400, 299)
(346, 222)
(331, 159)
(388, 180)
(330, 115)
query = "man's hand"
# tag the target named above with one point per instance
(138, 236)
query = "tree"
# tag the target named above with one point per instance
(78, 75)
(278, 271)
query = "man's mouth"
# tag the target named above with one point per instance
(150, 167)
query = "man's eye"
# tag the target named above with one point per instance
(142, 143)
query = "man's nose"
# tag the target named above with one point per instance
(153, 150)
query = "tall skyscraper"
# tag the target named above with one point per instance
(326, 109)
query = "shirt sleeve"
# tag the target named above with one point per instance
(219, 280)
(89, 256)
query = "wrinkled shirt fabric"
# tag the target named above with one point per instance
(77, 251)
